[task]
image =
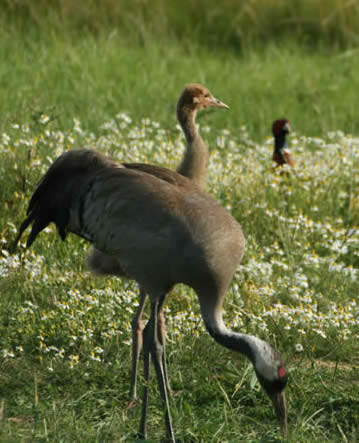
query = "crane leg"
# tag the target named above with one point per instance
(162, 338)
(137, 340)
(153, 349)
(146, 365)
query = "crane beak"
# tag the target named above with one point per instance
(287, 127)
(218, 104)
(279, 402)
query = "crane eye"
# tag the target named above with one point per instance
(206, 95)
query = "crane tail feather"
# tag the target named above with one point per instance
(23, 227)
(37, 227)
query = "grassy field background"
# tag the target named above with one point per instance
(107, 75)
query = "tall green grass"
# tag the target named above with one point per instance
(266, 59)
(95, 77)
(228, 23)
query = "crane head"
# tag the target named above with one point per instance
(272, 375)
(281, 126)
(274, 388)
(195, 97)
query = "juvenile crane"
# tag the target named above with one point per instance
(281, 155)
(194, 166)
(162, 230)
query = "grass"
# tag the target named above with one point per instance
(231, 24)
(64, 334)
(94, 78)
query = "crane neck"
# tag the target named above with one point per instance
(195, 160)
(243, 343)
(280, 142)
(211, 310)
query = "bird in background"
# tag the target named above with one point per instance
(193, 165)
(281, 156)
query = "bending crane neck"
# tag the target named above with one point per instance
(232, 340)
(213, 319)
(195, 159)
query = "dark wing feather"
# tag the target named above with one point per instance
(48, 204)
(52, 199)
(67, 178)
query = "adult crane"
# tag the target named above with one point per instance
(162, 230)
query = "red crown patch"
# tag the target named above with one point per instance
(282, 372)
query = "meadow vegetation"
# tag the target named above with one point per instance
(107, 76)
